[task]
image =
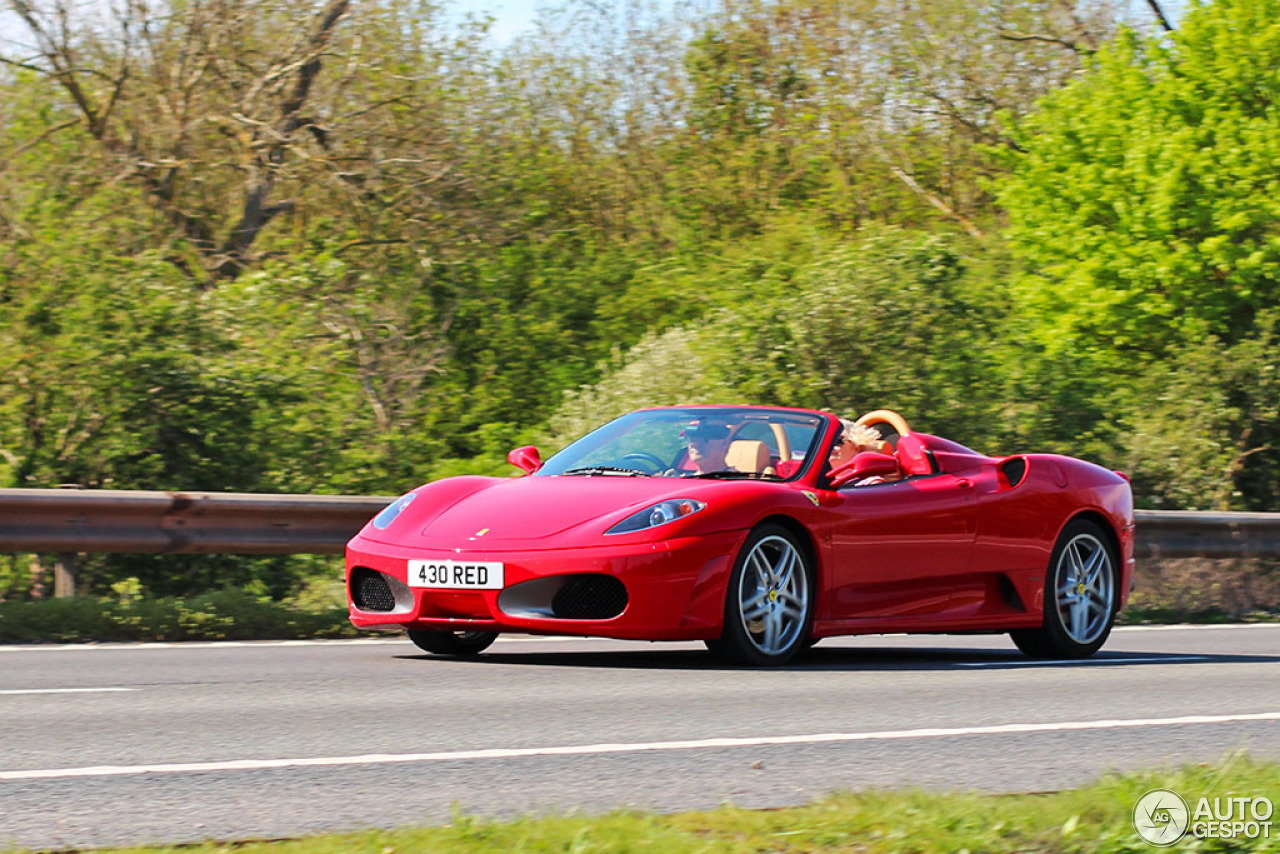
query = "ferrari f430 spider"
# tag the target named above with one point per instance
(744, 527)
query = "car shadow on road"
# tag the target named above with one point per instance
(843, 658)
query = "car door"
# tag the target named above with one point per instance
(897, 548)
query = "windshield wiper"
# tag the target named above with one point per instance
(608, 470)
(735, 475)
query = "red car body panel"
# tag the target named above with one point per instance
(962, 549)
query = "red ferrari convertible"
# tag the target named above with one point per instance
(731, 525)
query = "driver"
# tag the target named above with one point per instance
(708, 445)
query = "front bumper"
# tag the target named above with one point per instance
(674, 588)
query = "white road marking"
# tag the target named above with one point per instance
(1194, 627)
(1082, 662)
(115, 647)
(64, 691)
(639, 747)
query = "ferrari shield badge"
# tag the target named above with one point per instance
(811, 496)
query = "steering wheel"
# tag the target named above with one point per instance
(886, 416)
(640, 456)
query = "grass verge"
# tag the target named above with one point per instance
(1095, 818)
(237, 615)
(221, 615)
(1174, 591)
(1135, 616)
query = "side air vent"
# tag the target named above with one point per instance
(590, 597)
(370, 590)
(1009, 594)
(1014, 470)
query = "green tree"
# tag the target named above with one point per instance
(1146, 204)
(1147, 198)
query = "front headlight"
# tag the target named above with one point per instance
(391, 511)
(658, 514)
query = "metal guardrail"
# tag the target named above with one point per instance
(1185, 533)
(120, 521)
(66, 521)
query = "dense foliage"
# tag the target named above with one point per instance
(1146, 209)
(386, 248)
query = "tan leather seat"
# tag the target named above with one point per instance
(748, 455)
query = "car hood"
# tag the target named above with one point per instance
(454, 514)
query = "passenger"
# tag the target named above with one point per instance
(853, 440)
(708, 445)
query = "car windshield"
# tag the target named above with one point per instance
(720, 442)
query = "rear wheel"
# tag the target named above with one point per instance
(452, 643)
(769, 601)
(1079, 596)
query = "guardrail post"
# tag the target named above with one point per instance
(36, 577)
(65, 569)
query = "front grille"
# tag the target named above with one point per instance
(370, 590)
(590, 597)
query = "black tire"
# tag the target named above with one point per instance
(1081, 596)
(769, 601)
(452, 643)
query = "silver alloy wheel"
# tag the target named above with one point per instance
(773, 595)
(1086, 588)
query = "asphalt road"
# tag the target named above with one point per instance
(118, 744)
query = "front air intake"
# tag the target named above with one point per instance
(589, 597)
(370, 590)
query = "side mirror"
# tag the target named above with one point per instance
(525, 458)
(865, 464)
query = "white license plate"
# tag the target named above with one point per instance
(456, 574)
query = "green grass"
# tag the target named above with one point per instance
(1096, 818)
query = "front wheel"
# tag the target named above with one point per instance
(452, 643)
(769, 601)
(1079, 596)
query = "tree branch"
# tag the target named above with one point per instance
(956, 115)
(1040, 37)
(32, 143)
(23, 64)
(965, 223)
(272, 144)
(1159, 13)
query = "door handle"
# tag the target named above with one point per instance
(963, 483)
